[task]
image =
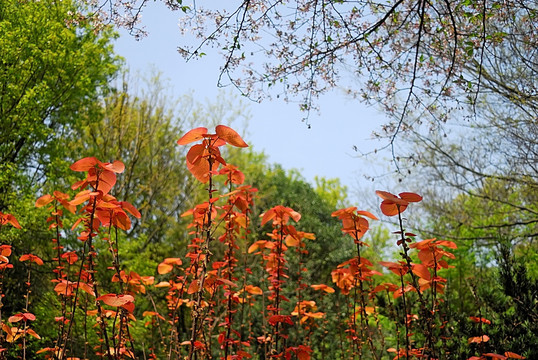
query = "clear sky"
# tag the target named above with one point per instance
(326, 149)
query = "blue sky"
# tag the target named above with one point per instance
(326, 149)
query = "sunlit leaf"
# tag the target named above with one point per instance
(116, 300)
(44, 200)
(230, 136)
(254, 290)
(421, 271)
(116, 166)
(478, 339)
(323, 287)
(512, 355)
(409, 196)
(367, 214)
(194, 287)
(32, 258)
(494, 356)
(84, 164)
(192, 136)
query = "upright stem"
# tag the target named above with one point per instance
(276, 286)
(205, 260)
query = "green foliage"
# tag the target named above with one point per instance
(514, 305)
(53, 66)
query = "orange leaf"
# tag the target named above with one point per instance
(9, 219)
(130, 209)
(230, 136)
(275, 319)
(256, 246)
(194, 287)
(168, 265)
(254, 290)
(391, 209)
(21, 316)
(5, 250)
(71, 257)
(495, 356)
(164, 268)
(197, 164)
(367, 214)
(478, 339)
(116, 300)
(130, 306)
(192, 136)
(512, 355)
(44, 200)
(162, 284)
(421, 271)
(323, 287)
(86, 288)
(84, 164)
(107, 180)
(291, 241)
(390, 197)
(31, 258)
(409, 196)
(479, 320)
(116, 166)
(33, 333)
(80, 198)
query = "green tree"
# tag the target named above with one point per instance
(53, 66)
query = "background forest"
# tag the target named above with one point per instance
(154, 281)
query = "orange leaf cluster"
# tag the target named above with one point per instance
(203, 159)
(100, 176)
(5, 252)
(9, 219)
(394, 205)
(31, 258)
(353, 222)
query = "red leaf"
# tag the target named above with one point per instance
(168, 265)
(71, 257)
(254, 290)
(21, 316)
(409, 196)
(130, 209)
(512, 355)
(390, 197)
(130, 306)
(116, 166)
(84, 164)
(275, 319)
(107, 180)
(86, 288)
(391, 209)
(479, 320)
(367, 214)
(495, 356)
(116, 300)
(192, 136)
(5, 250)
(197, 164)
(44, 200)
(194, 287)
(421, 271)
(478, 339)
(31, 258)
(9, 219)
(230, 136)
(323, 287)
